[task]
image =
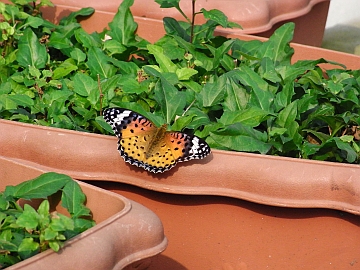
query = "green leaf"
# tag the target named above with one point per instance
(31, 52)
(55, 245)
(236, 97)
(213, 93)
(59, 41)
(98, 64)
(250, 117)
(78, 55)
(277, 48)
(239, 137)
(29, 219)
(60, 223)
(114, 47)
(28, 245)
(73, 200)
(351, 155)
(164, 62)
(174, 28)
(84, 84)
(64, 69)
(288, 115)
(40, 187)
(170, 100)
(168, 3)
(123, 26)
(268, 70)
(215, 15)
(72, 16)
(185, 73)
(44, 209)
(22, 100)
(34, 22)
(87, 40)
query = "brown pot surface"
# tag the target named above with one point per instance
(212, 232)
(126, 232)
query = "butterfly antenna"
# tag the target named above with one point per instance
(192, 103)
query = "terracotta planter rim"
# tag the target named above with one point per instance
(232, 153)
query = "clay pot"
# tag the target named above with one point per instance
(260, 17)
(126, 235)
(270, 180)
(152, 28)
(209, 231)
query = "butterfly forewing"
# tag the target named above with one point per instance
(156, 150)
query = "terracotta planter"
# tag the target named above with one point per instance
(260, 17)
(263, 179)
(213, 232)
(126, 234)
(146, 25)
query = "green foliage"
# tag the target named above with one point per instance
(26, 231)
(238, 95)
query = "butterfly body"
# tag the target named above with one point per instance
(153, 148)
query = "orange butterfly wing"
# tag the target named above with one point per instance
(143, 144)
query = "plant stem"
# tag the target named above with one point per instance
(192, 20)
(101, 93)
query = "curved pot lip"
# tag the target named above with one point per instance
(214, 151)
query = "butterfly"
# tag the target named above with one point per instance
(143, 144)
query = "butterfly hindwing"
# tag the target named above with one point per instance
(143, 144)
(187, 147)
